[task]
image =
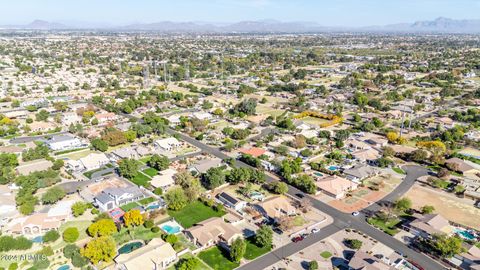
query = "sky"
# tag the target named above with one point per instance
(325, 12)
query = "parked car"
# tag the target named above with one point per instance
(355, 213)
(297, 239)
(277, 230)
(300, 195)
(315, 230)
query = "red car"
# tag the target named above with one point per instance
(297, 238)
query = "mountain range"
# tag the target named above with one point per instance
(439, 25)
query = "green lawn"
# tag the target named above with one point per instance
(140, 232)
(129, 206)
(253, 251)
(150, 172)
(217, 259)
(398, 170)
(141, 179)
(388, 227)
(326, 254)
(89, 173)
(146, 200)
(194, 213)
(200, 266)
(146, 159)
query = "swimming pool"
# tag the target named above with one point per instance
(38, 239)
(171, 227)
(464, 234)
(318, 174)
(127, 248)
(64, 267)
(333, 168)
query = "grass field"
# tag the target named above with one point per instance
(387, 227)
(217, 259)
(253, 251)
(150, 172)
(326, 254)
(314, 120)
(200, 266)
(129, 206)
(194, 213)
(141, 179)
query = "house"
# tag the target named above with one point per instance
(34, 166)
(94, 161)
(74, 165)
(106, 117)
(275, 207)
(461, 166)
(63, 142)
(254, 151)
(335, 186)
(164, 179)
(470, 257)
(41, 126)
(364, 261)
(212, 231)
(167, 144)
(157, 254)
(113, 197)
(8, 207)
(70, 118)
(174, 120)
(359, 172)
(231, 201)
(355, 144)
(125, 152)
(368, 156)
(203, 115)
(203, 165)
(11, 149)
(426, 225)
(40, 223)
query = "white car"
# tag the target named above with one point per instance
(355, 213)
(315, 230)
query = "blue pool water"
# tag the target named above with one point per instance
(333, 168)
(127, 248)
(318, 174)
(38, 239)
(64, 267)
(171, 229)
(465, 234)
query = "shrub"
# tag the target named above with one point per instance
(51, 236)
(71, 235)
(155, 229)
(148, 223)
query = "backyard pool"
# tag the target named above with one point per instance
(38, 239)
(464, 234)
(64, 267)
(171, 227)
(318, 174)
(127, 248)
(333, 168)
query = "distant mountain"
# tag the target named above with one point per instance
(44, 25)
(439, 25)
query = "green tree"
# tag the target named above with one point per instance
(53, 195)
(79, 208)
(313, 265)
(99, 144)
(264, 236)
(51, 236)
(176, 198)
(159, 162)
(71, 234)
(403, 204)
(237, 249)
(100, 249)
(446, 246)
(214, 177)
(130, 135)
(191, 263)
(427, 209)
(42, 115)
(128, 168)
(278, 187)
(353, 243)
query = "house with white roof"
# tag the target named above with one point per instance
(167, 144)
(64, 142)
(164, 179)
(94, 161)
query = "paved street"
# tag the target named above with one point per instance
(35, 138)
(344, 219)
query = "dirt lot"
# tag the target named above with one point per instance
(452, 208)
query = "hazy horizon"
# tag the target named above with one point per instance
(329, 13)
